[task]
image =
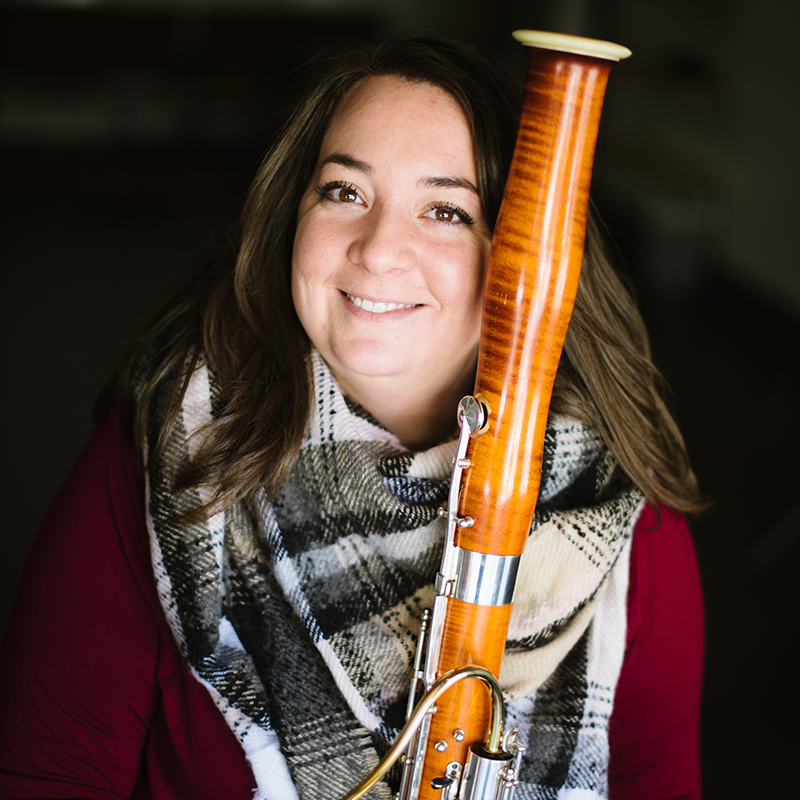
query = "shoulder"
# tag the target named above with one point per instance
(92, 550)
(100, 507)
(664, 575)
(654, 730)
(85, 624)
(94, 692)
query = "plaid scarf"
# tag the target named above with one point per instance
(301, 616)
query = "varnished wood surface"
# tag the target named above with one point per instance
(532, 277)
(473, 635)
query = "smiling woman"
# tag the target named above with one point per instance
(226, 596)
(389, 256)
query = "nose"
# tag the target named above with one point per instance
(384, 242)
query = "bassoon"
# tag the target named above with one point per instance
(453, 746)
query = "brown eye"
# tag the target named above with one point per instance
(338, 192)
(445, 214)
(345, 195)
(449, 214)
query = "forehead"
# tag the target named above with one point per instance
(387, 112)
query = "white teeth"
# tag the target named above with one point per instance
(376, 308)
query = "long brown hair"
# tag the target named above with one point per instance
(236, 311)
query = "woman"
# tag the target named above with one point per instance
(295, 413)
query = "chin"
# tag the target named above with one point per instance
(368, 365)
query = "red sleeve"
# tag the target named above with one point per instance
(80, 630)
(95, 700)
(654, 729)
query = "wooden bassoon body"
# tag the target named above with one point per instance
(531, 282)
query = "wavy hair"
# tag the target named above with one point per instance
(236, 310)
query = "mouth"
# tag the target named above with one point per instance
(377, 307)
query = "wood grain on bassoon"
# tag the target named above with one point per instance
(532, 278)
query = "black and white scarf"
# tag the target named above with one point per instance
(300, 616)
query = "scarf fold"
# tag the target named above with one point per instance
(301, 616)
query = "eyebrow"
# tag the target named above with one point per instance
(450, 183)
(346, 161)
(434, 182)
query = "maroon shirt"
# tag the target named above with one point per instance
(96, 701)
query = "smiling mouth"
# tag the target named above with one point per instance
(377, 308)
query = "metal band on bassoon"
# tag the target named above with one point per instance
(531, 282)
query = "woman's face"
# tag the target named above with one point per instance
(391, 243)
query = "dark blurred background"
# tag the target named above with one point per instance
(130, 130)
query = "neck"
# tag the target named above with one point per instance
(421, 416)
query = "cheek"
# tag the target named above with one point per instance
(475, 287)
(296, 277)
(311, 280)
(302, 279)
(315, 251)
(304, 259)
(463, 278)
